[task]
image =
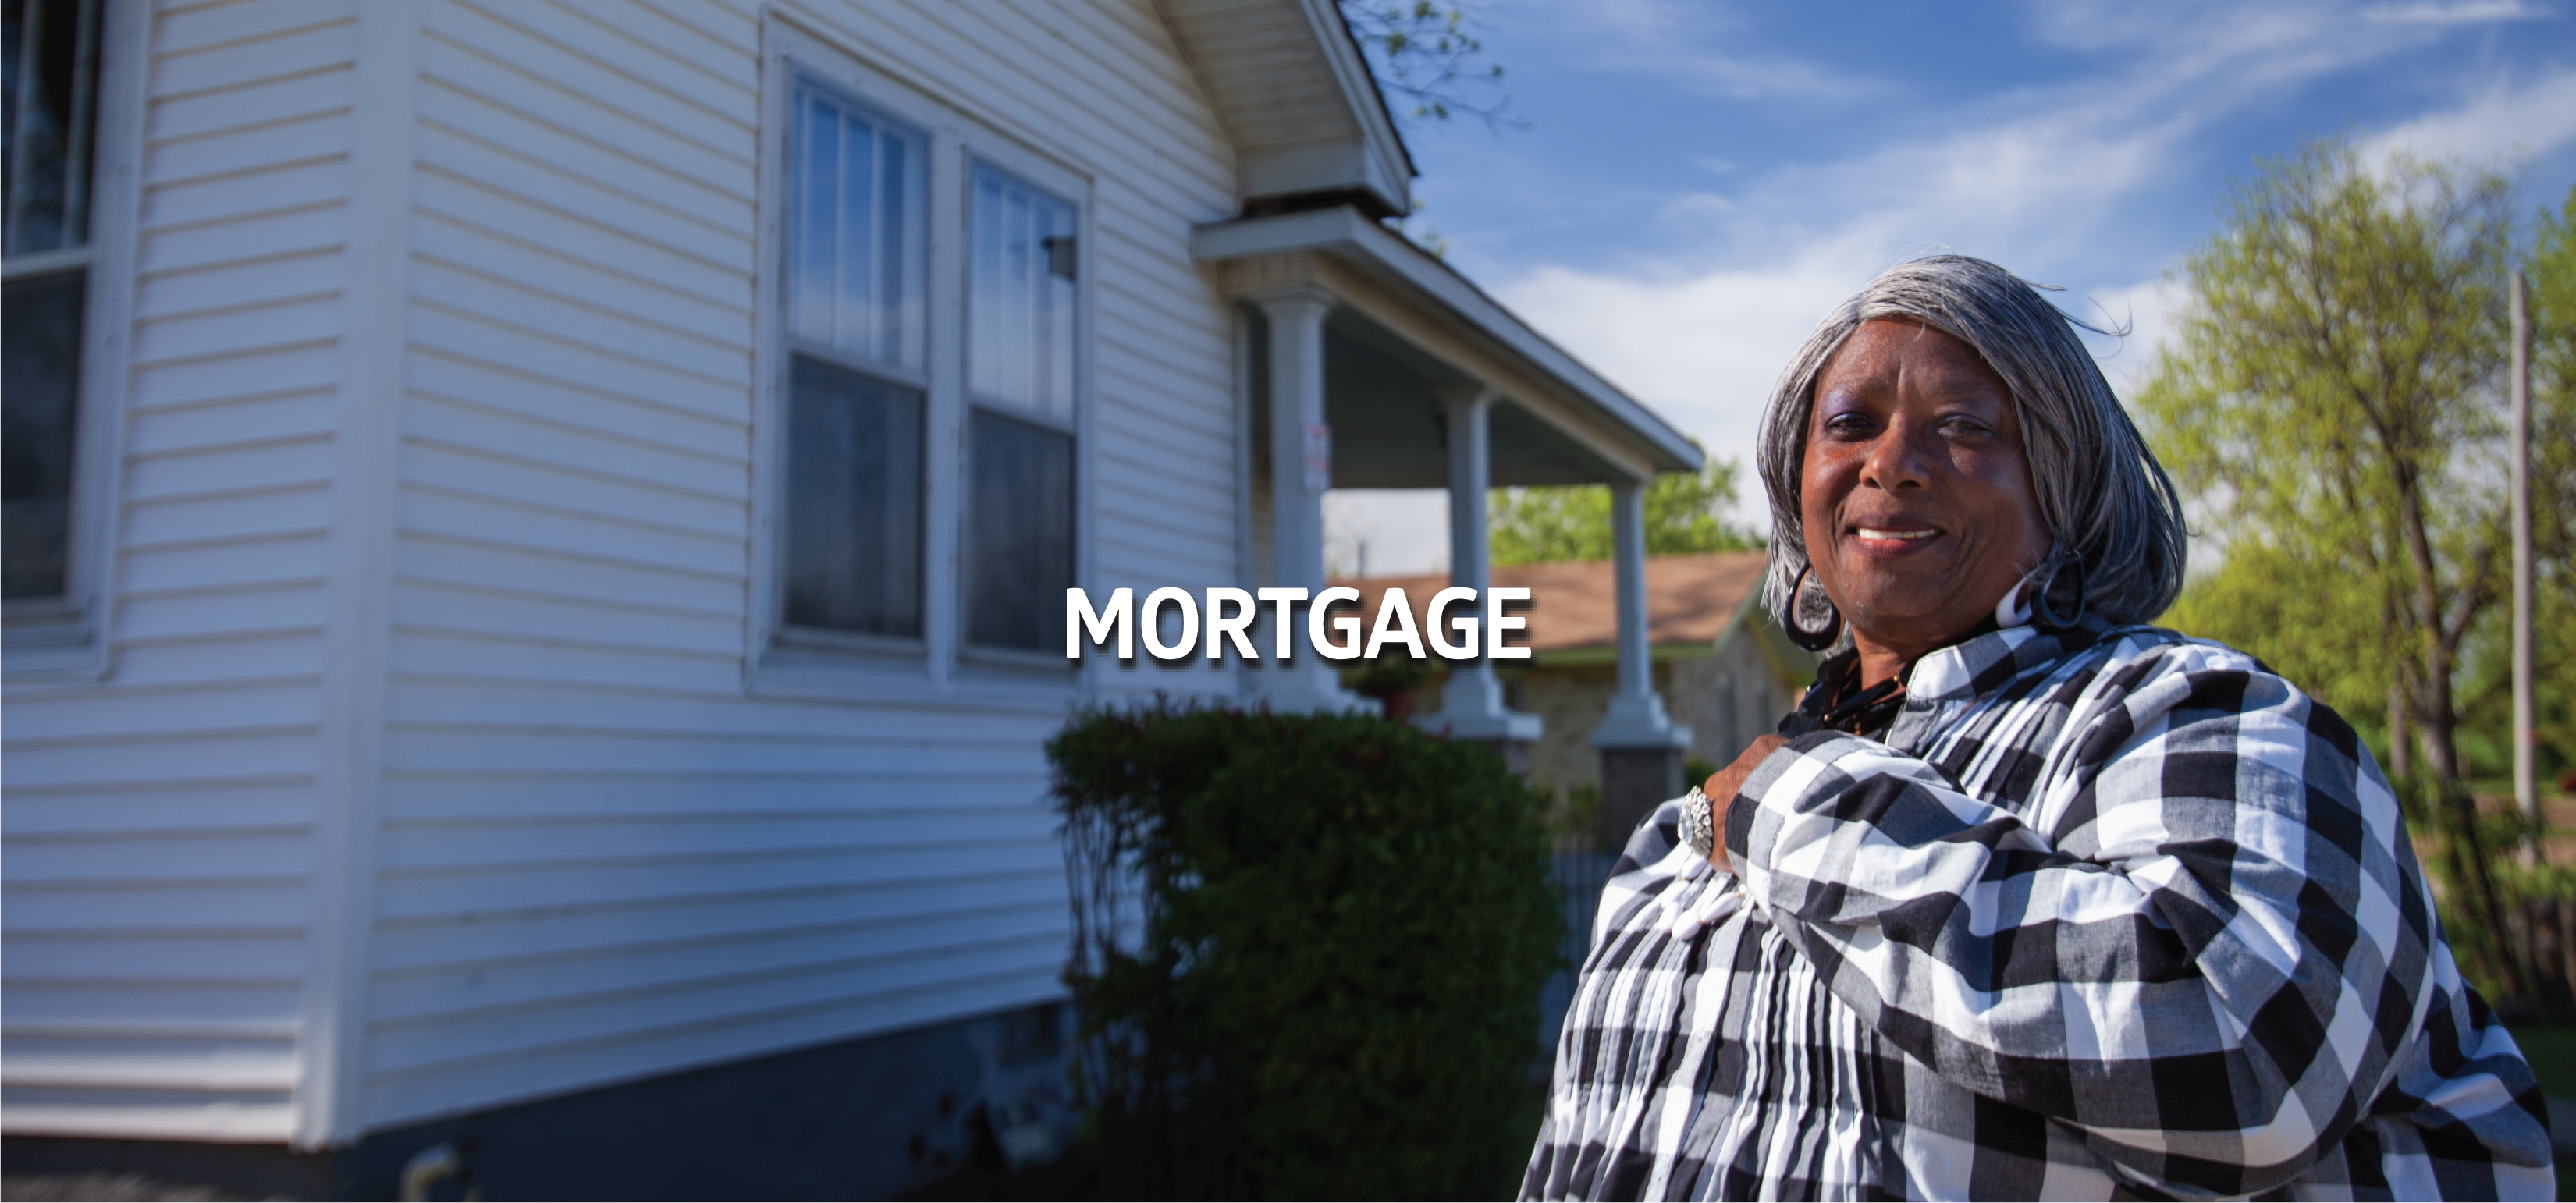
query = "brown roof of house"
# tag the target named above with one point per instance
(1574, 604)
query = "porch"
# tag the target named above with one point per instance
(1370, 364)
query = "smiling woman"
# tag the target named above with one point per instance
(1915, 495)
(2027, 899)
(2021, 424)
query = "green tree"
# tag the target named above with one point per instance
(2334, 405)
(1685, 513)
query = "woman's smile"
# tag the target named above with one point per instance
(1888, 540)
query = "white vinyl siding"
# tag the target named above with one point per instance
(159, 829)
(592, 850)
(600, 858)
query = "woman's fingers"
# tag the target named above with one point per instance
(1723, 784)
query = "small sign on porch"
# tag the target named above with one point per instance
(1319, 457)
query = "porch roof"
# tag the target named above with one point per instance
(1421, 313)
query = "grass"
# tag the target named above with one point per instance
(2551, 1049)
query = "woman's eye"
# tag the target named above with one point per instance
(1967, 426)
(1847, 424)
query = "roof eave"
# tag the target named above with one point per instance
(1367, 98)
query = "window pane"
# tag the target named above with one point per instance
(855, 270)
(853, 545)
(40, 325)
(47, 102)
(1019, 544)
(1020, 345)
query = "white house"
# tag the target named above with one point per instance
(536, 532)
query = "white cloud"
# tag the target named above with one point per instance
(1386, 532)
(2148, 308)
(2032, 178)
(2504, 121)
(2037, 178)
(2468, 12)
(1677, 40)
(1704, 349)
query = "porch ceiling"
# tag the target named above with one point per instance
(1390, 431)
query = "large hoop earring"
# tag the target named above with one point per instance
(2013, 609)
(2045, 611)
(1814, 641)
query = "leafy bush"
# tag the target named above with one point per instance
(1308, 952)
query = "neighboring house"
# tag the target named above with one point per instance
(1721, 663)
(536, 534)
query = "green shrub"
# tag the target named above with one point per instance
(1308, 951)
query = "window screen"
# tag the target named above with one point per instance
(1019, 545)
(854, 503)
(1020, 348)
(856, 262)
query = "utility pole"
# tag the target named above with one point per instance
(2525, 791)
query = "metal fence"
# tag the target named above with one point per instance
(1579, 874)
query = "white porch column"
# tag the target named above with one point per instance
(1641, 748)
(1307, 682)
(1472, 703)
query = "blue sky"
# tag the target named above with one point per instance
(1698, 182)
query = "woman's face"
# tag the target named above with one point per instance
(1917, 504)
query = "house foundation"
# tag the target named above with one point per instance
(860, 1119)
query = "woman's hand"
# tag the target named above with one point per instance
(1721, 789)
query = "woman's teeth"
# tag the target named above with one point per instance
(1867, 533)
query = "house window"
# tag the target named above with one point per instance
(923, 442)
(1020, 378)
(857, 391)
(48, 98)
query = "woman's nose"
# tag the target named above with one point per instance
(1901, 458)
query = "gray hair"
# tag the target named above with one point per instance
(2103, 498)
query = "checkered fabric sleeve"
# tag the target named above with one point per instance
(2210, 965)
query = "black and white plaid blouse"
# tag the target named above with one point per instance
(2104, 912)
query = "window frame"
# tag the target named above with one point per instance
(64, 638)
(801, 661)
(790, 347)
(1071, 189)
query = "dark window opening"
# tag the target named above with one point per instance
(854, 466)
(1031, 1033)
(38, 385)
(1019, 545)
(48, 98)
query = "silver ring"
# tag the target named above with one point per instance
(1699, 823)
